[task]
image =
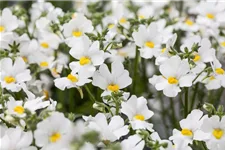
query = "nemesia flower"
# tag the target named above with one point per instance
(48, 42)
(72, 80)
(111, 131)
(18, 107)
(175, 74)
(111, 82)
(53, 133)
(13, 74)
(8, 22)
(16, 139)
(137, 111)
(189, 127)
(88, 56)
(213, 132)
(148, 39)
(133, 142)
(217, 78)
(76, 28)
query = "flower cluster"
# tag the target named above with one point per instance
(92, 78)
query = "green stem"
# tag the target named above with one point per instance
(90, 94)
(186, 103)
(173, 115)
(135, 70)
(194, 96)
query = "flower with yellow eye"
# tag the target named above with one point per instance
(13, 74)
(72, 80)
(213, 132)
(137, 111)
(88, 56)
(175, 74)
(217, 78)
(76, 28)
(54, 132)
(48, 42)
(112, 81)
(8, 22)
(148, 39)
(189, 127)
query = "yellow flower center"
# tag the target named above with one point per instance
(149, 44)
(77, 33)
(223, 44)
(72, 78)
(139, 117)
(19, 109)
(84, 60)
(113, 87)
(55, 137)
(121, 53)
(141, 16)
(186, 132)
(197, 58)
(218, 133)
(110, 26)
(2, 28)
(123, 20)
(172, 80)
(210, 16)
(9, 79)
(44, 64)
(212, 78)
(44, 45)
(54, 71)
(46, 94)
(189, 22)
(219, 71)
(25, 59)
(163, 50)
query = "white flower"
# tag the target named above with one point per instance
(175, 74)
(213, 132)
(188, 24)
(148, 39)
(122, 53)
(111, 131)
(8, 22)
(137, 111)
(72, 80)
(18, 107)
(155, 137)
(88, 55)
(164, 54)
(114, 81)
(53, 133)
(76, 28)
(48, 42)
(13, 74)
(145, 12)
(217, 78)
(189, 127)
(133, 142)
(15, 139)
